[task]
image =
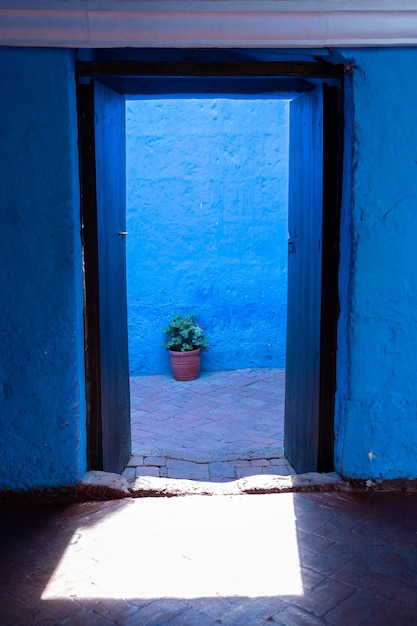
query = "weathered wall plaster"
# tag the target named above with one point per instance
(42, 399)
(376, 425)
(207, 222)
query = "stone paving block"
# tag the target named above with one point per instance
(225, 469)
(155, 460)
(135, 461)
(147, 471)
(279, 461)
(259, 463)
(279, 470)
(179, 463)
(129, 473)
(187, 469)
(220, 480)
(242, 472)
(221, 477)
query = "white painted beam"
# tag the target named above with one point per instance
(208, 23)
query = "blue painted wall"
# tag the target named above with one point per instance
(42, 398)
(207, 222)
(42, 412)
(376, 412)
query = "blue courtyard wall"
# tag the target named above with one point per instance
(42, 398)
(376, 410)
(207, 223)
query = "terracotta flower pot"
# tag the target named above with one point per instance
(185, 365)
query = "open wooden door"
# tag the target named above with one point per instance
(103, 188)
(305, 211)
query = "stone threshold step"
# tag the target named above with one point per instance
(101, 486)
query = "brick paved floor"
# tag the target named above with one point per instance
(220, 427)
(289, 559)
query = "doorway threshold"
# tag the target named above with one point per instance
(98, 485)
(255, 484)
(219, 468)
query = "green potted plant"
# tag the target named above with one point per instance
(185, 340)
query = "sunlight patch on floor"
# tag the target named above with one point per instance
(186, 547)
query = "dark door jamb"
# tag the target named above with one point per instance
(121, 76)
(90, 258)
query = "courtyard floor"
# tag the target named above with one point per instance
(220, 427)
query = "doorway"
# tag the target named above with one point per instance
(207, 204)
(319, 397)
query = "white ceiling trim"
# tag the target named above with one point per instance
(208, 23)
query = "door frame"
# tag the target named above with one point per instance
(136, 77)
(88, 215)
(101, 120)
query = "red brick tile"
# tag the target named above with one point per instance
(360, 609)
(295, 616)
(325, 596)
(312, 542)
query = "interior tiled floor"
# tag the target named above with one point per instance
(289, 559)
(220, 427)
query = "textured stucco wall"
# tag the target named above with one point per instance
(42, 409)
(376, 410)
(42, 399)
(207, 222)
